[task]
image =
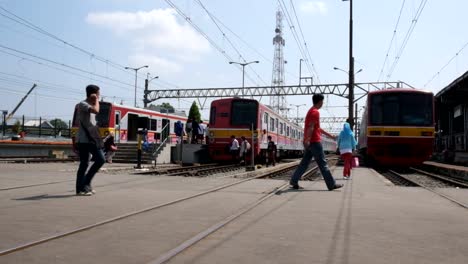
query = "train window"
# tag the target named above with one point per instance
(213, 115)
(281, 128)
(276, 122)
(266, 118)
(407, 109)
(287, 131)
(272, 124)
(102, 119)
(244, 112)
(153, 124)
(117, 118)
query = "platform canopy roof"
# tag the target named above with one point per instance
(456, 92)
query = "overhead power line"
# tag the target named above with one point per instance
(32, 26)
(443, 67)
(407, 37)
(391, 41)
(214, 20)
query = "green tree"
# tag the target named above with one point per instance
(194, 112)
(168, 106)
(16, 128)
(59, 123)
(162, 106)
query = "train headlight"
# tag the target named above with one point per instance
(211, 134)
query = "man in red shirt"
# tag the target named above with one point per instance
(313, 147)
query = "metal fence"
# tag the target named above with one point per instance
(35, 127)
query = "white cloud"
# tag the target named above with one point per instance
(156, 35)
(313, 7)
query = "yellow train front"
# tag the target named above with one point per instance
(397, 128)
(236, 117)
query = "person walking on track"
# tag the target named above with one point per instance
(88, 141)
(313, 147)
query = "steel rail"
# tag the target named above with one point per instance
(33, 185)
(200, 236)
(453, 200)
(114, 219)
(443, 178)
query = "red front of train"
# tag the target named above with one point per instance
(232, 117)
(237, 116)
(397, 128)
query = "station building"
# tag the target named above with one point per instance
(451, 105)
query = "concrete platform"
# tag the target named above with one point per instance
(368, 221)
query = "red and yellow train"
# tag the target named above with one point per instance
(124, 121)
(397, 127)
(247, 117)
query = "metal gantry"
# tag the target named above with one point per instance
(341, 90)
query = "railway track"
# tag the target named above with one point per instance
(450, 180)
(428, 183)
(68, 233)
(212, 229)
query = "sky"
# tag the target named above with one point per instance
(62, 46)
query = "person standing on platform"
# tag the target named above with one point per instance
(88, 141)
(244, 149)
(271, 152)
(346, 145)
(201, 132)
(234, 149)
(195, 128)
(207, 134)
(188, 130)
(313, 147)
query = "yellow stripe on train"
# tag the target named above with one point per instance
(401, 131)
(103, 132)
(226, 133)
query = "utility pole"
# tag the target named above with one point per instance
(351, 67)
(243, 71)
(297, 111)
(147, 81)
(136, 77)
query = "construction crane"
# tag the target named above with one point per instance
(20, 103)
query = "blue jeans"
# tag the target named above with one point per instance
(314, 150)
(83, 179)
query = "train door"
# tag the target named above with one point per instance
(117, 115)
(165, 130)
(132, 127)
(266, 117)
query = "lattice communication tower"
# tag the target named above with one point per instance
(278, 102)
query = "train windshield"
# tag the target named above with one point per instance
(244, 113)
(401, 109)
